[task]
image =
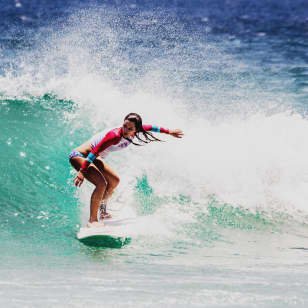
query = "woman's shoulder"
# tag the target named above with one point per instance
(113, 134)
(116, 132)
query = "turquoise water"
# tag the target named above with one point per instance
(222, 217)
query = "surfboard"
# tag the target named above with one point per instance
(102, 238)
(115, 233)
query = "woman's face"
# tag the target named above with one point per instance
(129, 129)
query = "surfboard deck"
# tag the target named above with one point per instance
(114, 233)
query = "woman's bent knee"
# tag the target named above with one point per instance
(116, 181)
(101, 184)
(113, 183)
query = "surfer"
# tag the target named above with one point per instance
(88, 160)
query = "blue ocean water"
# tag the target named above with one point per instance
(222, 216)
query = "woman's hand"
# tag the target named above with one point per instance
(177, 133)
(78, 180)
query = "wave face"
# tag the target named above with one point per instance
(206, 69)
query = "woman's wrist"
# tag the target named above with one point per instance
(81, 171)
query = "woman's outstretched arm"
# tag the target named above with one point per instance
(173, 132)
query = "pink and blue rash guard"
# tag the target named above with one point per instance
(112, 140)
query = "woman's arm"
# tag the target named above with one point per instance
(173, 132)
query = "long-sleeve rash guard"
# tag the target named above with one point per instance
(112, 140)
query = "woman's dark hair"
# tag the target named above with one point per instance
(136, 119)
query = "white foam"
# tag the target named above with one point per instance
(236, 145)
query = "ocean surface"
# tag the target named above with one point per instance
(221, 215)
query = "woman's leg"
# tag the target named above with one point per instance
(111, 177)
(112, 182)
(94, 176)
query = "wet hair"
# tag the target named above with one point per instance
(136, 119)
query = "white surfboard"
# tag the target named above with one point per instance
(115, 232)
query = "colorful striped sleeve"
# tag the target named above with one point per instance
(155, 128)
